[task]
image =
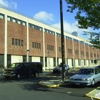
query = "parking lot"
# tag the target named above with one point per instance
(28, 89)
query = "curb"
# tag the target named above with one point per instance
(94, 94)
(52, 84)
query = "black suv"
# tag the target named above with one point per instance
(21, 69)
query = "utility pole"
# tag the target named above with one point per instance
(62, 42)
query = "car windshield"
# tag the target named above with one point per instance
(86, 71)
(14, 65)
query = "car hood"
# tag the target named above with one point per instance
(9, 69)
(80, 76)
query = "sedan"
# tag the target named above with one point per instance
(86, 76)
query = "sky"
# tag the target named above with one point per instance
(46, 11)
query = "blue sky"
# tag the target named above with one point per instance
(47, 11)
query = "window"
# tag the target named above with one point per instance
(2, 16)
(21, 42)
(9, 18)
(16, 42)
(24, 23)
(14, 20)
(12, 41)
(36, 45)
(58, 34)
(69, 38)
(19, 21)
(50, 47)
(75, 40)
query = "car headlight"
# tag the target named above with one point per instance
(86, 79)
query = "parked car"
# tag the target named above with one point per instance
(86, 76)
(22, 69)
(58, 69)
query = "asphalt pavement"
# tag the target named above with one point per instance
(56, 81)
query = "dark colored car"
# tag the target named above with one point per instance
(58, 69)
(23, 69)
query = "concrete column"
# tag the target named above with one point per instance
(5, 43)
(27, 42)
(43, 50)
(56, 47)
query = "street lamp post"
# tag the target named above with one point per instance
(62, 42)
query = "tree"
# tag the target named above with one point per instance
(87, 15)
(88, 12)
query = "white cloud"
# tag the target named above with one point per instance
(68, 27)
(9, 3)
(44, 16)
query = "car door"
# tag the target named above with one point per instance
(97, 74)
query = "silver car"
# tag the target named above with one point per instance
(86, 76)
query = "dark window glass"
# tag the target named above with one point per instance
(1, 16)
(12, 41)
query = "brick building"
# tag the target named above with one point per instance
(26, 39)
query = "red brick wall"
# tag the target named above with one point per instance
(69, 45)
(50, 40)
(2, 25)
(58, 45)
(35, 36)
(18, 32)
(76, 47)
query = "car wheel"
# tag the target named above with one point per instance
(18, 76)
(93, 82)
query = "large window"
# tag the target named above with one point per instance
(15, 20)
(1, 16)
(35, 27)
(36, 45)
(17, 42)
(50, 48)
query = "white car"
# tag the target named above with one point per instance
(59, 68)
(86, 76)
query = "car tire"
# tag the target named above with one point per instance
(93, 82)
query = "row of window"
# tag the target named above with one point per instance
(50, 48)
(49, 31)
(16, 20)
(17, 42)
(36, 45)
(35, 27)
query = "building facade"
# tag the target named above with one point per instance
(25, 39)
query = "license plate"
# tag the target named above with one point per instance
(77, 83)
